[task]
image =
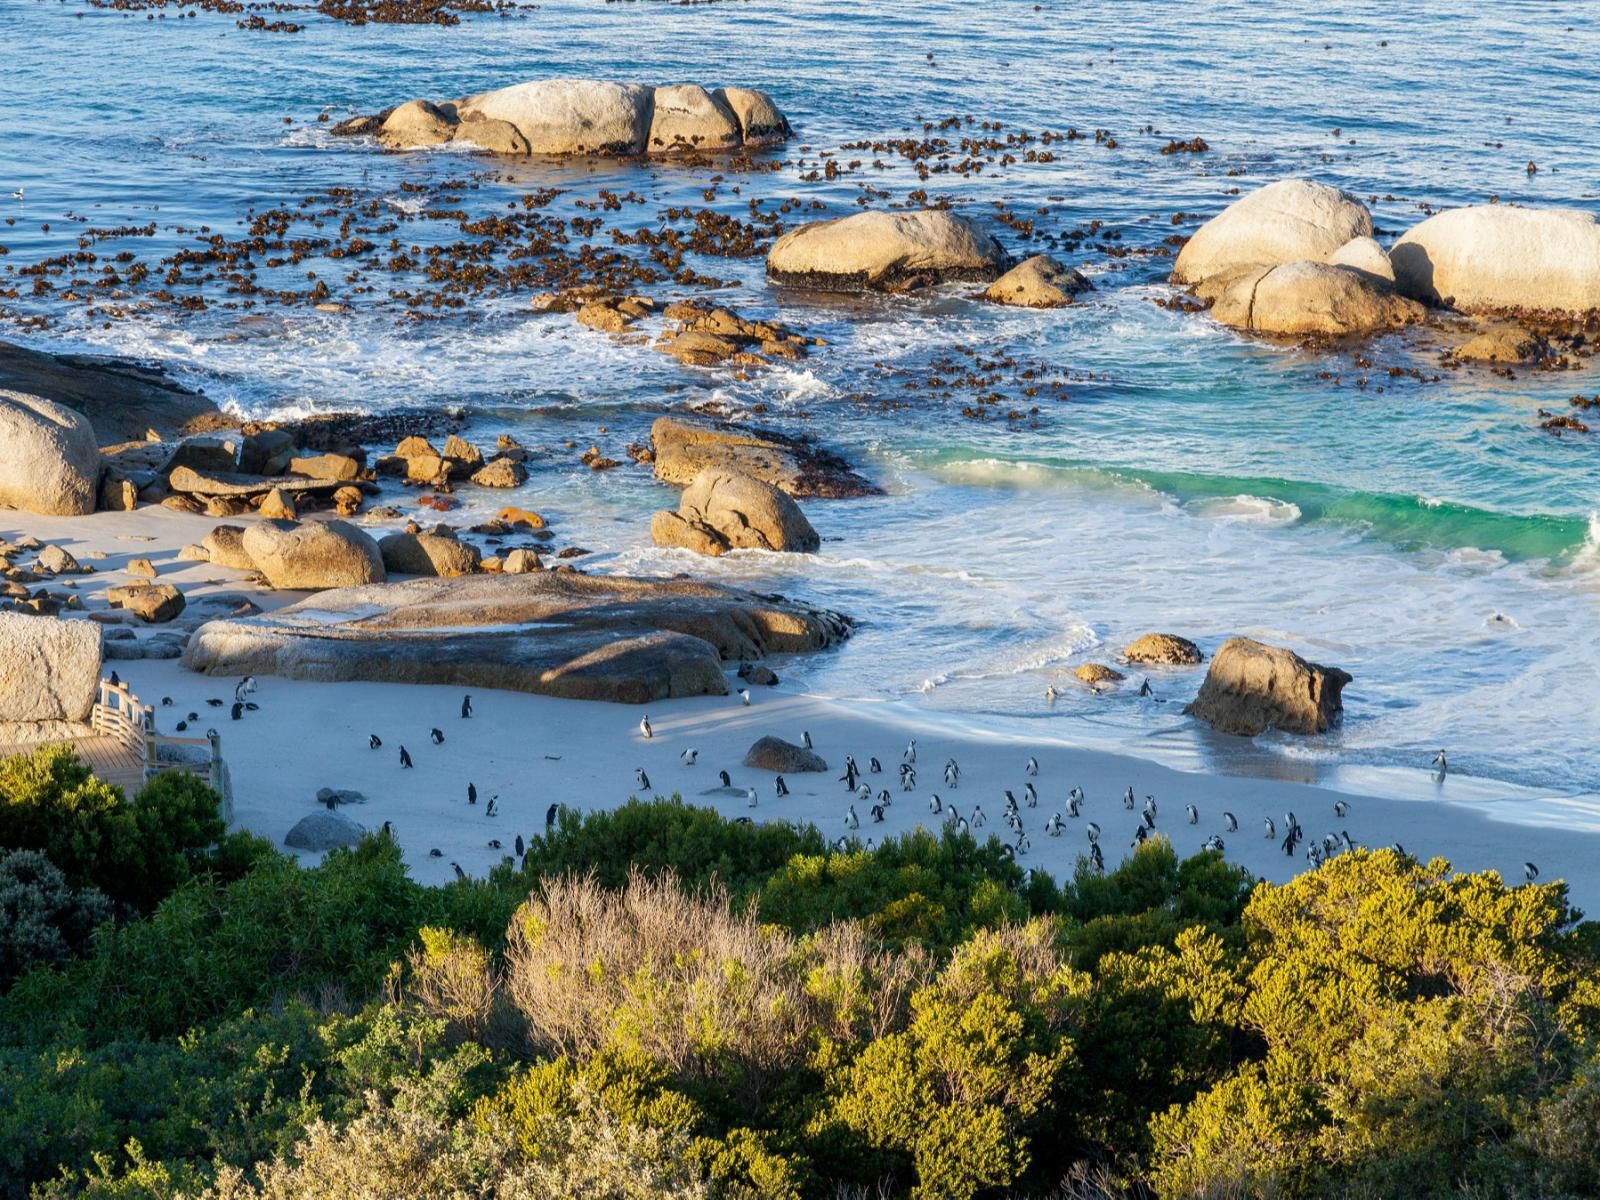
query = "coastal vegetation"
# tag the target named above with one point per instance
(657, 1001)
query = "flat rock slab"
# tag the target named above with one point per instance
(121, 398)
(584, 637)
(685, 446)
(233, 483)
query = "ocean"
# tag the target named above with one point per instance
(1364, 505)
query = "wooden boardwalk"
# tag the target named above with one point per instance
(110, 758)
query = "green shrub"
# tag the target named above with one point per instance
(42, 920)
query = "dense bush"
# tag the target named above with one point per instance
(42, 919)
(661, 1002)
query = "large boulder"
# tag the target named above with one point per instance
(683, 447)
(224, 546)
(723, 510)
(313, 555)
(558, 633)
(1283, 222)
(49, 668)
(1364, 254)
(687, 117)
(760, 121)
(123, 400)
(427, 554)
(1252, 687)
(417, 123)
(1494, 256)
(884, 250)
(1504, 344)
(1037, 282)
(49, 459)
(323, 831)
(153, 602)
(1313, 298)
(775, 754)
(569, 116)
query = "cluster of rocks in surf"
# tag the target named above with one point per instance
(584, 116)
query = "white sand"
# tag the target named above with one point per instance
(531, 751)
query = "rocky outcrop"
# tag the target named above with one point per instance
(232, 483)
(1287, 221)
(49, 669)
(323, 831)
(156, 603)
(121, 399)
(1300, 298)
(427, 554)
(1491, 257)
(775, 754)
(1252, 687)
(1504, 344)
(1163, 649)
(683, 447)
(584, 116)
(1095, 674)
(586, 637)
(885, 250)
(313, 555)
(1364, 254)
(1037, 282)
(224, 546)
(724, 510)
(49, 459)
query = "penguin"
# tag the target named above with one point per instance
(744, 697)
(388, 829)
(877, 813)
(1444, 767)
(934, 803)
(1149, 819)
(550, 818)
(1030, 796)
(1231, 821)
(910, 755)
(460, 874)
(212, 701)
(1023, 844)
(644, 726)
(1127, 798)
(851, 821)
(238, 710)
(437, 735)
(1344, 834)
(405, 759)
(374, 742)
(977, 816)
(873, 766)
(1032, 766)
(1272, 830)
(116, 680)
(644, 780)
(166, 702)
(181, 726)
(1340, 808)
(1092, 829)
(689, 756)
(864, 792)
(750, 797)
(1194, 814)
(908, 780)
(1139, 836)
(1072, 805)
(192, 717)
(521, 846)
(1401, 850)
(436, 853)
(1011, 801)
(489, 809)
(1051, 694)
(805, 738)
(1076, 794)
(727, 782)
(1144, 688)
(780, 786)
(1097, 858)
(332, 802)
(1053, 825)
(472, 793)
(1529, 872)
(494, 843)
(466, 706)
(1150, 805)
(871, 845)
(251, 706)
(953, 772)
(884, 798)
(1212, 843)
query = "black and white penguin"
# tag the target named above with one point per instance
(374, 742)
(466, 706)
(405, 759)
(780, 786)
(437, 735)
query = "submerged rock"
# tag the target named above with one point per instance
(885, 250)
(724, 510)
(1287, 221)
(1313, 298)
(1167, 649)
(1037, 282)
(1505, 344)
(1097, 673)
(1252, 687)
(555, 633)
(1490, 257)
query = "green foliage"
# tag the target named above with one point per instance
(135, 852)
(42, 920)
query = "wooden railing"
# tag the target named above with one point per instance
(117, 714)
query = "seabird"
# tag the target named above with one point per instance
(1194, 814)
(744, 695)
(953, 772)
(489, 810)
(521, 846)
(1076, 794)
(871, 845)
(1444, 767)
(1233, 823)
(877, 812)
(750, 797)
(549, 818)
(494, 843)
(332, 801)
(1050, 693)
(1032, 767)
(780, 786)
(437, 735)
(436, 853)
(194, 716)
(1031, 796)
(1139, 836)
(977, 816)
(18, 194)
(851, 821)
(1097, 858)
(874, 766)
(726, 781)
(116, 679)
(1348, 844)
(1340, 808)
(911, 751)
(1400, 850)
(1011, 801)
(805, 738)
(1290, 821)
(644, 780)
(405, 758)
(1023, 844)
(166, 702)
(211, 700)
(841, 845)
(884, 798)
(472, 793)
(1144, 687)
(1149, 819)
(374, 742)
(1072, 805)
(961, 825)
(460, 874)
(181, 726)
(934, 803)
(1272, 830)
(1213, 843)
(1530, 872)
(1127, 798)
(644, 726)
(238, 710)
(689, 756)
(1289, 841)
(1053, 825)
(466, 706)
(864, 792)
(1092, 829)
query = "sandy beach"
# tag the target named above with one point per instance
(531, 751)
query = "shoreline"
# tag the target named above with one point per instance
(534, 750)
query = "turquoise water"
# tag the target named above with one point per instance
(1409, 523)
